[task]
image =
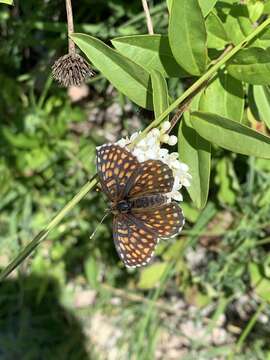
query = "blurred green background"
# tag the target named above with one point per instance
(74, 299)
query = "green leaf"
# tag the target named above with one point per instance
(266, 9)
(251, 65)
(216, 34)
(226, 193)
(238, 24)
(262, 99)
(205, 5)
(255, 10)
(128, 77)
(260, 283)
(187, 36)
(150, 276)
(169, 4)
(151, 52)
(8, 2)
(231, 135)
(224, 96)
(160, 93)
(196, 153)
(91, 269)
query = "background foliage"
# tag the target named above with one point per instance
(74, 299)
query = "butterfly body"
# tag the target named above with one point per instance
(137, 193)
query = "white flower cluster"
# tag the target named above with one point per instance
(149, 148)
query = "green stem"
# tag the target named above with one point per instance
(247, 330)
(92, 183)
(44, 233)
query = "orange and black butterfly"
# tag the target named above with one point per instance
(137, 193)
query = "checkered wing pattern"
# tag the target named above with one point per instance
(135, 242)
(154, 177)
(136, 232)
(117, 170)
(166, 220)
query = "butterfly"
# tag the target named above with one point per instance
(137, 194)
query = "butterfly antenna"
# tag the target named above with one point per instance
(101, 221)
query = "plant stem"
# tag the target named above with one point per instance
(44, 233)
(70, 25)
(93, 182)
(247, 330)
(148, 17)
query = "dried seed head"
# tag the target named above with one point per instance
(71, 70)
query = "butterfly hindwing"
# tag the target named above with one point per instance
(135, 243)
(166, 220)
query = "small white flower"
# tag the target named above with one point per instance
(149, 148)
(172, 140)
(165, 138)
(165, 126)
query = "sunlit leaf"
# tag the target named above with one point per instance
(231, 135)
(196, 153)
(251, 65)
(187, 36)
(160, 93)
(150, 276)
(128, 77)
(224, 96)
(262, 99)
(8, 2)
(151, 52)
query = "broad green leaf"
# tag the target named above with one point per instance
(255, 10)
(262, 99)
(224, 96)
(128, 77)
(251, 65)
(216, 34)
(151, 52)
(196, 153)
(266, 9)
(150, 276)
(206, 5)
(231, 135)
(160, 93)
(259, 282)
(8, 2)
(169, 4)
(237, 24)
(187, 36)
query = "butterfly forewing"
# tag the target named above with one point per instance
(166, 220)
(154, 177)
(135, 242)
(116, 169)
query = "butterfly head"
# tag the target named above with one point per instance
(121, 207)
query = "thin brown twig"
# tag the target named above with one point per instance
(148, 17)
(70, 25)
(185, 106)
